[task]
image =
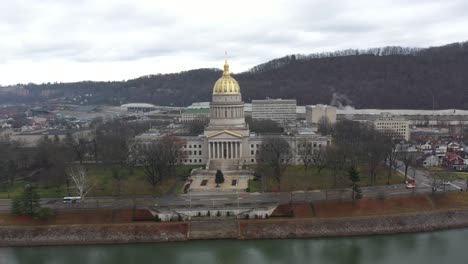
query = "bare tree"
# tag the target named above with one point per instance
(392, 155)
(439, 180)
(336, 159)
(305, 151)
(80, 179)
(274, 154)
(161, 157)
(324, 126)
(407, 157)
(319, 157)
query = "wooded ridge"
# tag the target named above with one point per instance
(389, 77)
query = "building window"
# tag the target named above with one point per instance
(199, 160)
(199, 152)
(199, 146)
(252, 160)
(251, 152)
(252, 146)
(190, 160)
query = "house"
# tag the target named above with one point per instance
(440, 150)
(426, 147)
(453, 159)
(455, 146)
(430, 161)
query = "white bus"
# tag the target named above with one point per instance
(71, 199)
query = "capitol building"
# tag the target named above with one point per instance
(227, 143)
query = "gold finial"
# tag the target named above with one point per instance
(226, 65)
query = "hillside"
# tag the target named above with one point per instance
(390, 77)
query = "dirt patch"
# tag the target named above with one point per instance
(68, 217)
(296, 210)
(449, 200)
(366, 207)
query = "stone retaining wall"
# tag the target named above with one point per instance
(93, 234)
(391, 224)
(248, 229)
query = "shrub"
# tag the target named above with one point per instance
(44, 213)
(247, 189)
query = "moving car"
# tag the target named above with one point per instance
(410, 184)
(67, 200)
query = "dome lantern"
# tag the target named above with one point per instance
(226, 84)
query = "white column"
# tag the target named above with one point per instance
(234, 144)
(215, 148)
(233, 155)
(240, 149)
(227, 150)
(209, 150)
(230, 150)
(223, 147)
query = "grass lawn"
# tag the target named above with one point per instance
(296, 178)
(459, 175)
(132, 183)
(255, 185)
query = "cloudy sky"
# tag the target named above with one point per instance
(73, 40)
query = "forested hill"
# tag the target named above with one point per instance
(390, 77)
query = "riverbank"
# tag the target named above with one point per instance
(395, 215)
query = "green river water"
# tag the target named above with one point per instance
(444, 247)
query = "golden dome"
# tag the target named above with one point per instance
(226, 84)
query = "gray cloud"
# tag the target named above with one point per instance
(122, 39)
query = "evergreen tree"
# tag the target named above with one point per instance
(354, 177)
(27, 203)
(219, 178)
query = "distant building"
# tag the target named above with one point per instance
(138, 107)
(415, 117)
(315, 112)
(396, 127)
(192, 114)
(278, 110)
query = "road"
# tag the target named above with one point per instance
(218, 199)
(424, 180)
(224, 199)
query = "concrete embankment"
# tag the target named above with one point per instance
(354, 226)
(93, 234)
(245, 229)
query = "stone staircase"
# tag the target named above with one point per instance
(224, 165)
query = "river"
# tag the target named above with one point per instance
(425, 248)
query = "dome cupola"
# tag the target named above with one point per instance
(226, 84)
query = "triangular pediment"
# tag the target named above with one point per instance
(224, 134)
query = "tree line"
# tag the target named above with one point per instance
(356, 148)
